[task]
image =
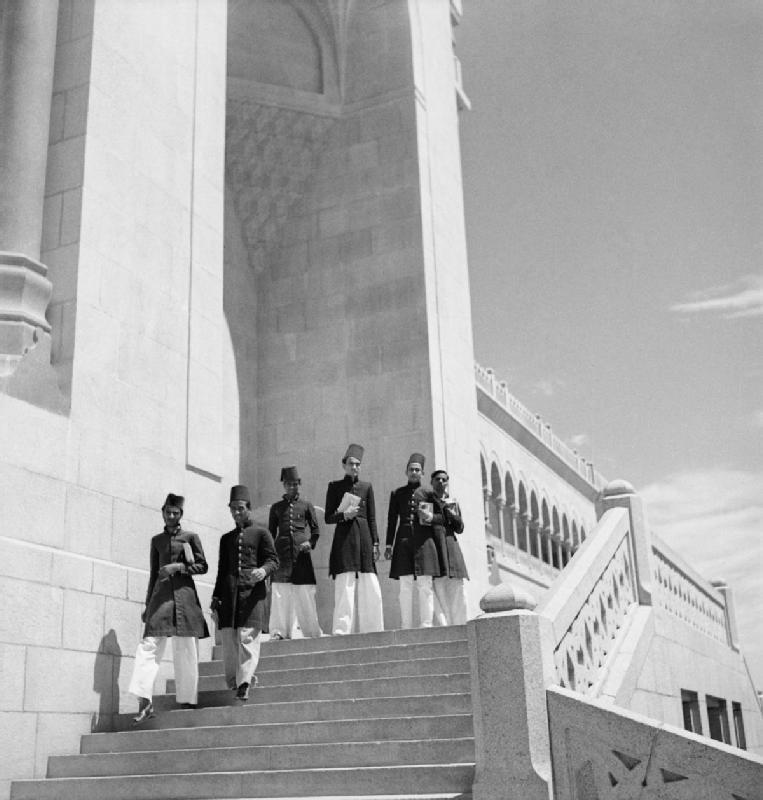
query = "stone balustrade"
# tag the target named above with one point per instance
(590, 602)
(683, 593)
(498, 391)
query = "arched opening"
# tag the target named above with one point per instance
(509, 511)
(522, 520)
(534, 526)
(545, 533)
(494, 522)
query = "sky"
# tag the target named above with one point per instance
(613, 186)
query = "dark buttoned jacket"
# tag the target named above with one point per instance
(292, 522)
(172, 604)
(352, 548)
(241, 602)
(413, 547)
(446, 523)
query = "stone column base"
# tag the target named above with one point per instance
(25, 369)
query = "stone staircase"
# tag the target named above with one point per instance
(382, 715)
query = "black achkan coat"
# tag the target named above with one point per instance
(172, 605)
(352, 548)
(446, 523)
(413, 546)
(242, 602)
(291, 523)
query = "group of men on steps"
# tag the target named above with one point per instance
(266, 581)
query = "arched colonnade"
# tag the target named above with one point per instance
(520, 515)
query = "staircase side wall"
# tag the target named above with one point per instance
(679, 657)
(599, 753)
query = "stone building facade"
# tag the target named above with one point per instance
(231, 239)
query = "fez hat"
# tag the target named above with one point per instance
(174, 500)
(239, 493)
(439, 472)
(354, 451)
(289, 474)
(416, 458)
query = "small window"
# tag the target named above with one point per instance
(690, 703)
(718, 719)
(736, 711)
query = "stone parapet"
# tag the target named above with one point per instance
(600, 753)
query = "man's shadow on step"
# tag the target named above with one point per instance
(108, 662)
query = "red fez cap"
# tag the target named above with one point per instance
(239, 493)
(354, 451)
(289, 474)
(416, 458)
(174, 500)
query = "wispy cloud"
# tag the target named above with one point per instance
(741, 298)
(548, 386)
(714, 519)
(578, 440)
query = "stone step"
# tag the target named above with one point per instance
(347, 781)
(348, 730)
(359, 640)
(342, 672)
(438, 796)
(265, 757)
(299, 711)
(333, 690)
(275, 660)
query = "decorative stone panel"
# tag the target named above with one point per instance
(271, 154)
(601, 753)
(583, 649)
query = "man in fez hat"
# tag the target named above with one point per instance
(293, 524)
(411, 548)
(444, 517)
(172, 610)
(247, 556)
(354, 549)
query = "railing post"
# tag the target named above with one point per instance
(511, 655)
(620, 494)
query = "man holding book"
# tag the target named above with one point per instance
(354, 550)
(293, 524)
(172, 611)
(411, 547)
(441, 511)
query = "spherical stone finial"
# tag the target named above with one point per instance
(505, 597)
(618, 487)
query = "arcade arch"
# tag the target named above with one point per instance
(527, 517)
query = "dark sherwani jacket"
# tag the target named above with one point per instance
(172, 605)
(414, 551)
(446, 523)
(352, 548)
(242, 602)
(291, 523)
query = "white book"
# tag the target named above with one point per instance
(349, 501)
(426, 509)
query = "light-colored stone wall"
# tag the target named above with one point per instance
(679, 657)
(137, 111)
(600, 753)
